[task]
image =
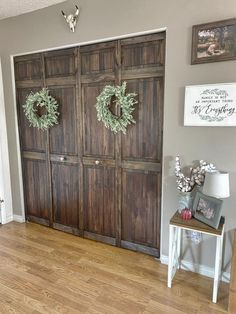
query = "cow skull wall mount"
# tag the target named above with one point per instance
(71, 19)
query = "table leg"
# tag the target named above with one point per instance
(170, 262)
(218, 263)
(179, 230)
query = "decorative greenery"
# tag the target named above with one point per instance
(216, 91)
(41, 99)
(126, 103)
(211, 119)
(196, 176)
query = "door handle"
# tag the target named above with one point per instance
(97, 162)
(63, 158)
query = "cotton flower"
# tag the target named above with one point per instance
(196, 177)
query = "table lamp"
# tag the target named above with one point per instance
(216, 184)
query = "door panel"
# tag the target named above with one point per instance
(28, 68)
(99, 200)
(97, 140)
(36, 188)
(97, 59)
(65, 194)
(63, 136)
(60, 73)
(97, 71)
(140, 201)
(143, 51)
(31, 138)
(143, 141)
(60, 63)
(141, 147)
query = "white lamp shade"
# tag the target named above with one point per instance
(216, 184)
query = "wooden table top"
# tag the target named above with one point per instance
(196, 225)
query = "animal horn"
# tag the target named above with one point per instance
(77, 11)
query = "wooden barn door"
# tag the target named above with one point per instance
(142, 67)
(50, 158)
(97, 69)
(29, 76)
(79, 176)
(122, 173)
(60, 77)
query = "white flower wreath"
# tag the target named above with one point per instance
(41, 99)
(126, 103)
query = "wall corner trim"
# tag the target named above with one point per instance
(197, 268)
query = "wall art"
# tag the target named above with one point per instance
(214, 41)
(210, 105)
(71, 19)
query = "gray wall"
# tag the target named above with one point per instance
(100, 19)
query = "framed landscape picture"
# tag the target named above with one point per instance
(207, 209)
(210, 105)
(214, 41)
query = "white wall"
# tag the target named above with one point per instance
(99, 19)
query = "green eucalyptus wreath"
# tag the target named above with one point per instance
(41, 99)
(126, 103)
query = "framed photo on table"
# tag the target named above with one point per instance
(214, 41)
(207, 209)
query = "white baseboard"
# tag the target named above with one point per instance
(18, 218)
(198, 268)
(7, 220)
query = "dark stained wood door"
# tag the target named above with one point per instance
(79, 176)
(29, 77)
(98, 68)
(61, 79)
(142, 66)
(134, 160)
(50, 158)
(141, 148)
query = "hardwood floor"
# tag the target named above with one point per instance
(47, 271)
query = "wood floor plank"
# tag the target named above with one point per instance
(47, 271)
(63, 291)
(39, 293)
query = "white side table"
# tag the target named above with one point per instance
(176, 225)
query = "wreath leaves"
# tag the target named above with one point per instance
(41, 99)
(126, 103)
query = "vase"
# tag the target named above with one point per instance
(185, 200)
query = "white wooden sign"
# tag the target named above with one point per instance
(210, 105)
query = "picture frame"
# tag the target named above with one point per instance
(215, 41)
(210, 105)
(207, 209)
